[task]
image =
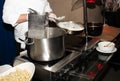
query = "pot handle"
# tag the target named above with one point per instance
(29, 41)
(32, 11)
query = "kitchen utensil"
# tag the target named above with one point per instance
(106, 52)
(106, 46)
(71, 27)
(49, 48)
(109, 44)
(95, 29)
(36, 23)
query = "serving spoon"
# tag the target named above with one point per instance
(109, 44)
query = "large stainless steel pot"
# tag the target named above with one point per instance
(49, 48)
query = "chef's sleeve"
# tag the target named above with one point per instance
(10, 16)
(48, 8)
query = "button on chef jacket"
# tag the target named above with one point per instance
(12, 10)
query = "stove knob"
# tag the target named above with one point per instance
(99, 66)
(92, 74)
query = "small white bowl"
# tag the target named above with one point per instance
(106, 46)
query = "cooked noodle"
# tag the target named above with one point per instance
(18, 75)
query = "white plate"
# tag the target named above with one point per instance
(4, 68)
(30, 67)
(115, 49)
(71, 26)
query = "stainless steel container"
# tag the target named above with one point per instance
(49, 48)
(36, 24)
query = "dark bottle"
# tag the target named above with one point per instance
(95, 20)
(95, 29)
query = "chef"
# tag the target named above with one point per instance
(15, 12)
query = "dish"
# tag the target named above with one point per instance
(114, 50)
(72, 26)
(106, 45)
(24, 71)
(4, 68)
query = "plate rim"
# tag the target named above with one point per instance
(80, 25)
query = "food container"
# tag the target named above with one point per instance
(25, 73)
(71, 27)
(49, 48)
(4, 68)
(106, 46)
(105, 49)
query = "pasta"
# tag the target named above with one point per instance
(18, 75)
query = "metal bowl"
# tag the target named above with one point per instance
(71, 27)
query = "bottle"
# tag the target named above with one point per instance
(95, 28)
(95, 20)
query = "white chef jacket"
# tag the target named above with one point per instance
(12, 10)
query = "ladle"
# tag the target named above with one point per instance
(109, 44)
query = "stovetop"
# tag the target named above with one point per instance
(77, 64)
(75, 46)
(76, 61)
(74, 42)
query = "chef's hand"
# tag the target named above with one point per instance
(52, 17)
